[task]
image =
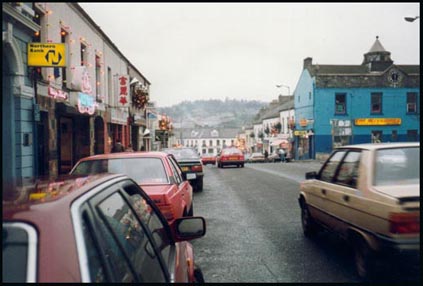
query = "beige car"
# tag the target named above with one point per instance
(369, 194)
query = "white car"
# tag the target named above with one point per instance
(369, 194)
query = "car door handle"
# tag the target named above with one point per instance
(324, 191)
(346, 198)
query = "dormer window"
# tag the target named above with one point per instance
(215, 133)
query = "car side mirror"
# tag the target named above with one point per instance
(188, 228)
(311, 175)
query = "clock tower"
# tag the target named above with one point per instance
(377, 59)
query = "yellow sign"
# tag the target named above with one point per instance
(377, 121)
(46, 55)
(300, 132)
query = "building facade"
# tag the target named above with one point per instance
(68, 91)
(335, 105)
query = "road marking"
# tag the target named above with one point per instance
(295, 178)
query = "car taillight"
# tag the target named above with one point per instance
(167, 211)
(401, 223)
(197, 168)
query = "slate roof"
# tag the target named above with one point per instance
(206, 132)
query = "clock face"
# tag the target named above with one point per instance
(394, 76)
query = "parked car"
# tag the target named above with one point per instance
(230, 156)
(275, 157)
(208, 159)
(191, 165)
(256, 157)
(99, 228)
(369, 194)
(157, 173)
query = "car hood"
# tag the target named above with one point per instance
(400, 191)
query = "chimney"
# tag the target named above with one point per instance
(307, 62)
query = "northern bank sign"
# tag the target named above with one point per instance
(46, 55)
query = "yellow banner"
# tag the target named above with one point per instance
(377, 121)
(300, 132)
(46, 55)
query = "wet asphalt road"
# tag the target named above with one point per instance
(254, 231)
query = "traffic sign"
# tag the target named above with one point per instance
(46, 55)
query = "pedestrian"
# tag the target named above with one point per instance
(118, 147)
(266, 154)
(282, 154)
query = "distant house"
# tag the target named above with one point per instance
(377, 101)
(206, 140)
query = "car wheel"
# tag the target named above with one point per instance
(309, 226)
(198, 275)
(363, 258)
(199, 185)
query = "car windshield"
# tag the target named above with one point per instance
(397, 166)
(141, 170)
(183, 153)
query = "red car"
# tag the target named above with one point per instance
(208, 159)
(100, 228)
(157, 173)
(230, 156)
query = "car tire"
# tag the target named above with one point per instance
(307, 223)
(198, 275)
(199, 185)
(363, 258)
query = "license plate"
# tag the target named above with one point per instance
(191, 176)
(233, 158)
(185, 169)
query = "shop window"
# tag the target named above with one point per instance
(376, 103)
(340, 103)
(411, 102)
(83, 54)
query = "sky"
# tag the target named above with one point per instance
(202, 51)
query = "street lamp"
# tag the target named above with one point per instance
(411, 19)
(282, 85)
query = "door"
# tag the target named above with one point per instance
(66, 145)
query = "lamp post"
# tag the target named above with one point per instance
(282, 85)
(411, 19)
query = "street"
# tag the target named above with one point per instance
(254, 231)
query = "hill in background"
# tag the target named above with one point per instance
(230, 113)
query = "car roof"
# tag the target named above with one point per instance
(375, 146)
(38, 194)
(120, 155)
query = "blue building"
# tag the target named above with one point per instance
(335, 105)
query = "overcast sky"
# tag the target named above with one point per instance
(191, 51)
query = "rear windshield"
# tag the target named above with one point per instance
(183, 153)
(397, 166)
(233, 151)
(19, 253)
(141, 170)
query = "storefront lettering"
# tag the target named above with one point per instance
(57, 93)
(123, 89)
(86, 103)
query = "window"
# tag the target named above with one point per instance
(64, 39)
(340, 103)
(83, 54)
(328, 170)
(218, 142)
(125, 234)
(210, 142)
(376, 102)
(411, 102)
(348, 170)
(98, 78)
(176, 171)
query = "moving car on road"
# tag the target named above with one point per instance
(230, 156)
(100, 228)
(208, 159)
(191, 165)
(256, 157)
(157, 173)
(369, 194)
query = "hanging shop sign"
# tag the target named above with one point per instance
(123, 85)
(377, 121)
(57, 93)
(86, 103)
(81, 80)
(46, 54)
